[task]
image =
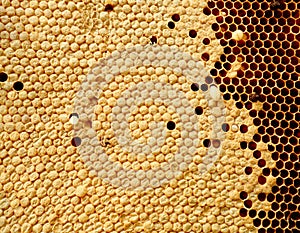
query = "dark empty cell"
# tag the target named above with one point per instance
(279, 197)
(283, 190)
(3, 77)
(267, 28)
(286, 29)
(226, 96)
(243, 195)
(243, 128)
(256, 222)
(252, 145)
(295, 29)
(215, 26)
(198, 110)
(281, 21)
(219, 35)
(266, 122)
(206, 11)
(261, 129)
(261, 196)
(266, 171)
(284, 156)
(295, 45)
(220, 4)
(228, 20)
(283, 223)
(243, 212)
(275, 106)
(244, 97)
(293, 141)
(270, 197)
(261, 163)
(108, 7)
(290, 37)
(270, 130)
(253, 113)
(256, 137)
(192, 33)
(76, 141)
(296, 199)
(266, 138)
(289, 165)
(293, 173)
(283, 207)
(220, 19)
(293, 157)
(271, 214)
(248, 105)
(292, 190)
(291, 21)
(288, 181)
(262, 180)
(231, 88)
(232, 27)
(225, 127)
(243, 145)
(275, 206)
(248, 203)
(204, 87)
(292, 207)
(171, 125)
(205, 56)
(274, 139)
(206, 41)
(18, 86)
(294, 92)
(153, 40)
(246, 5)
(279, 115)
(195, 87)
(271, 148)
(257, 154)
(275, 172)
(213, 72)
(262, 214)
(279, 214)
(279, 99)
(257, 122)
(176, 17)
(171, 25)
(248, 170)
(289, 100)
(266, 223)
(283, 173)
(275, 223)
(239, 105)
(281, 36)
(206, 143)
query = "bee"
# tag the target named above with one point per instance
(276, 4)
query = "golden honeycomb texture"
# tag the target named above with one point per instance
(250, 49)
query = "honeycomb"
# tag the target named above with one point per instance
(237, 61)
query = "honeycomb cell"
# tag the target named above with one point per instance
(3, 77)
(76, 141)
(176, 17)
(248, 170)
(171, 125)
(18, 86)
(171, 25)
(192, 33)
